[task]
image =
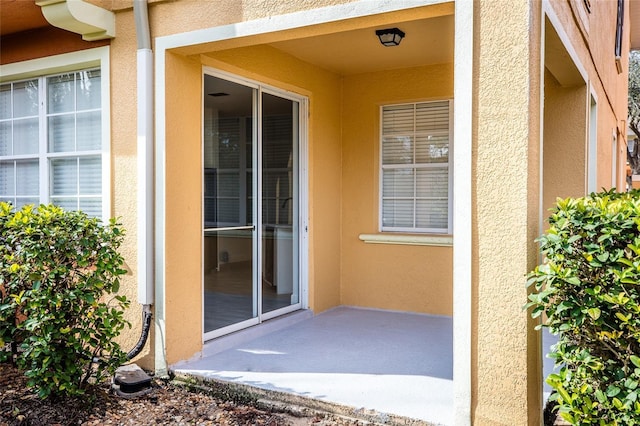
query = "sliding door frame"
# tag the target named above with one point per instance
(303, 201)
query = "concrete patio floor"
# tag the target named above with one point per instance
(398, 365)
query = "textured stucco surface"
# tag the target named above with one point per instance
(124, 167)
(565, 136)
(505, 161)
(173, 17)
(183, 209)
(406, 278)
(597, 60)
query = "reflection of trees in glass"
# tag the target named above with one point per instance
(60, 93)
(88, 89)
(19, 99)
(77, 91)
(30, 98)
(227, 134)
(19, 118)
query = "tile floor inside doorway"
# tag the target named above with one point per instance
(229, 298)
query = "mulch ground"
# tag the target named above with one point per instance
(167, 404)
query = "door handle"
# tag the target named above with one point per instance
(231, 228)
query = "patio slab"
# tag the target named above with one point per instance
(398, 365)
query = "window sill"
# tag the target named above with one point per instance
(408, 239)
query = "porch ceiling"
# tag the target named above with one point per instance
(427, 41)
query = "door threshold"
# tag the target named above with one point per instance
(220, 344)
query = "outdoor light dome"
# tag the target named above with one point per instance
(390, 36)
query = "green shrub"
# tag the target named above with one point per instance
(57, 270)
(589, 290)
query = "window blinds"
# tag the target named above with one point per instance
(415, 167)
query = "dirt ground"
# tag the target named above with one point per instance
(167, 404)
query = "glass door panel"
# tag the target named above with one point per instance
(279, 177)
(250, 205)
(230, 294)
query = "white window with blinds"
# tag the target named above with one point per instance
(415, 178)
(53, 147)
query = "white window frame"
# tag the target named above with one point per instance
(614, 159)
(71, 62)
(438, 231)
(592, 151)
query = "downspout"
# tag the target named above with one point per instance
(145, 169)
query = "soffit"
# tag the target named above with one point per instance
(427, 41)
(19, 15)
(558, 61)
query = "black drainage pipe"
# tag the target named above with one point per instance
(146, 326)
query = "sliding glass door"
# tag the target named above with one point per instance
(280, 202)
(250, 205)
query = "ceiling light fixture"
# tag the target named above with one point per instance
(390, 36)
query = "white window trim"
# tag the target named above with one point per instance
(592, 151)
(408, 239)
(614, 159)
(66, 62)
(418, 231)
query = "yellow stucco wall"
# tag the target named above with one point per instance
(124, 169)
(506, 380)
(183, 281)
(183, 208)
(398, 277)
(597, 60)
(565, 141)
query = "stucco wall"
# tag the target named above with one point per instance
(597, 60)
(602, 37)
(172, 17)
(406, 278)
(565, 141)
(183, 208)
(124, 168)
(506, 380)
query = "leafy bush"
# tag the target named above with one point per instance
(589, 289)
(56, 268)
